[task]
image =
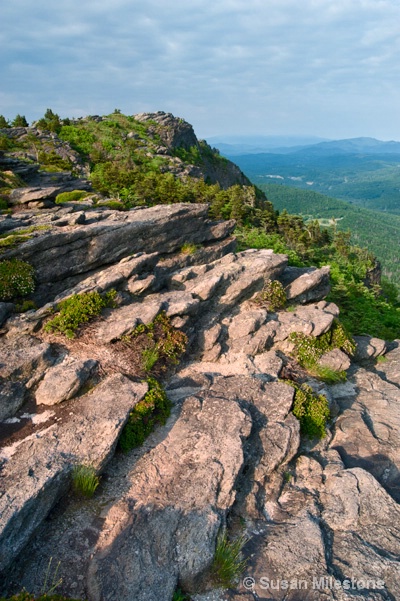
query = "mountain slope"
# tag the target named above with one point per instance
(156, 159)
(356, 172)
(379, 232)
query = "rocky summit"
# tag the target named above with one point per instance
(313, 501)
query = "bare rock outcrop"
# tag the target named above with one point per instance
(305, 284)
(165, 527)
(110, 236)
(37, 470)
(321, 516)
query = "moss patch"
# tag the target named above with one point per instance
(74, 196)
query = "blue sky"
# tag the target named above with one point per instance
(328, 68)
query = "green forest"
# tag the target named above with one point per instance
(366, 180)
(379, 232)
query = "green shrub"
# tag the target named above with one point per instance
(311, 409)
(154, 347)
(227, 565)
(74, 196)
(4, 123)
(85, 480)
(50, 122)
(16, 279)
(20, 121)
(153, 409)
(78, 310)
(5, 142)
(327, 374)
(272, 296)
(51, 161)
(309, 350)
(150, 356)
(26, 305)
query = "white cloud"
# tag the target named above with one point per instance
(281, 66)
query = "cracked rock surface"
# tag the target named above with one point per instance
(321, 518)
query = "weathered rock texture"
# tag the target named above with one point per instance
(37, 470)
(317, 514)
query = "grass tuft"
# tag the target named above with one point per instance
(152, 410)
(228, 564)
(85, 480)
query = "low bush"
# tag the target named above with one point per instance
(85, 480)
(53, 162)
(272, 296)
(308, 350)
(327, 374)
(154, 347)
(74, 196)
(77, 310)
(228, 565)
(153, 409)
(311, 409)
(26, 305)
(16, 279)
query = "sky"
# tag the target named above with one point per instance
(328, 68)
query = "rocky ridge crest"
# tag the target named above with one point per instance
(42, 165)
(231, 452)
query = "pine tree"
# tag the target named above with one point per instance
(20, 121)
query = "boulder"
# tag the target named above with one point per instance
(367, 431)
(368, 347)
(5, 310)
(24, 357)
(336, 360)
(62, 382)
(306, 284)
(123, 320)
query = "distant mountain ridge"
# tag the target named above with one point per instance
(234, 145)
(237, 145)
(354, 145)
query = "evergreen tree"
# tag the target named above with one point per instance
(20, 121)
(4, 122)
(51, 122)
